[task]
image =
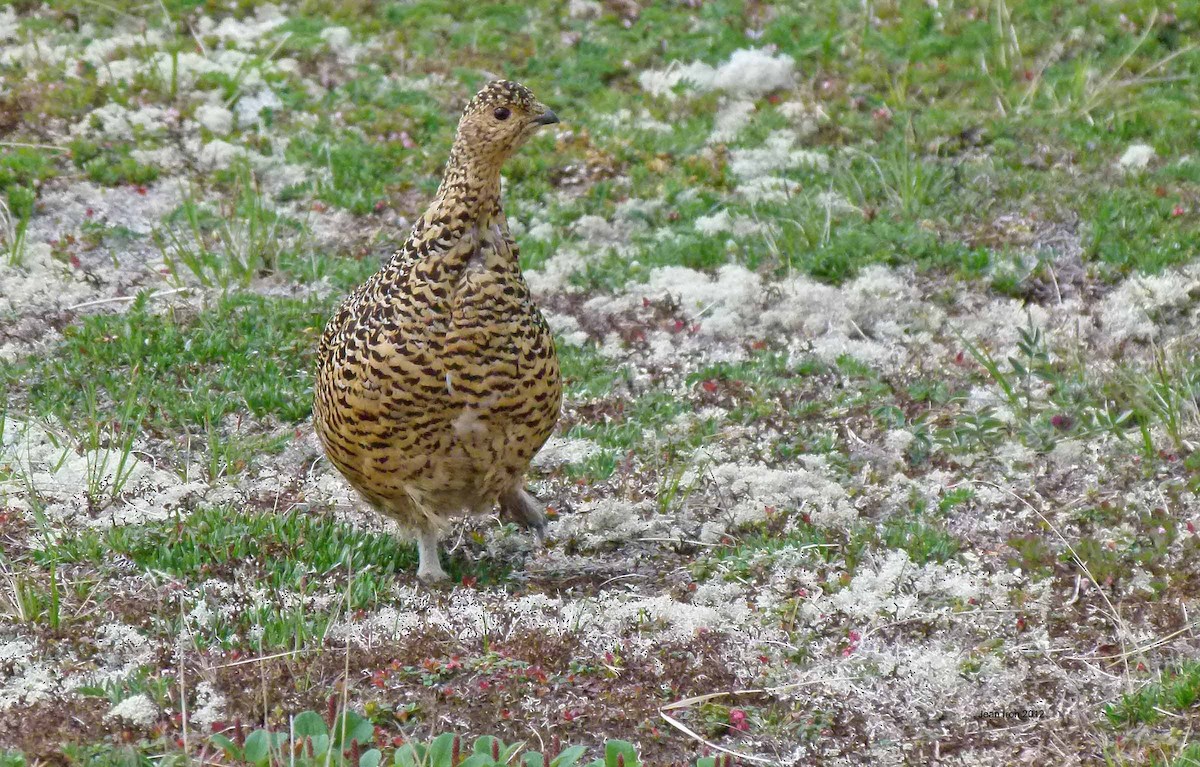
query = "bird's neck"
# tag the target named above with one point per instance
(471, 186)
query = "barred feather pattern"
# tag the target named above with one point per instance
(437, 379)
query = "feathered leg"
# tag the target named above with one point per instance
(520, 506)
(429, 569)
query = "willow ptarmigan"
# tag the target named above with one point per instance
(437, 379)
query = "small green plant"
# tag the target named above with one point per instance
(347, 739)
(107, 445)
(1177, 690)
(29, 598)
(1033, 554)
(1107, 419)
(899, 179)
(252, 235)
(310, 740)
(289, 548)
(12, 234)
(1170, 396)
(144, 681)
(110, 165)
(184, 245)
(923, 542)
(228, 248)
(246, 352)
(1032, 362)
(230, 454)
(979, 430)
(673, 489)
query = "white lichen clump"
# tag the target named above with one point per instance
(1132, 310)
(215, 118)
(210, 706)
(778, 153)
(1136, 157)
(137, 710)
(559, 451)
(749, 72)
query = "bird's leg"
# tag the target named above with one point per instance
(429, 567)
(520, 506)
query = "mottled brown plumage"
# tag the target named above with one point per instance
(437, 379)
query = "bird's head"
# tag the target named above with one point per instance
(499, 120)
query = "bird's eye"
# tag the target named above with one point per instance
(502, 113)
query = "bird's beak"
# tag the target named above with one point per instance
(546, 118)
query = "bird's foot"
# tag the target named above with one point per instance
(521, 507)
(429, 567)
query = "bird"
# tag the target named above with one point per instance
(437, 379)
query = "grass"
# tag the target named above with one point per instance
(586, 374)
(22, 170)
(1175, 694)
(971, 149)
(287, 548)
(243, 240)
(142, 681)
(369, 169)
(649, 412)
(245, 354)
(111, 165)
(12, 230)
(924, 542)
(29, 600)
(292, 554)
(344, 738)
